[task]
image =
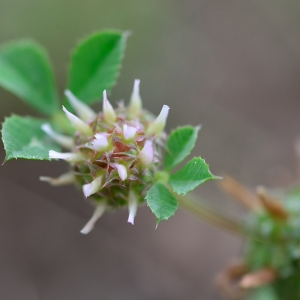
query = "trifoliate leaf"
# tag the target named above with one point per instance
(179, 145)
(23, 138)
(26, 72)
(194, 173)
(95, 65)
(161, 201)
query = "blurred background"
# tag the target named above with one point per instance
(232, 66)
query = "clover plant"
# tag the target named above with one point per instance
(119, 156)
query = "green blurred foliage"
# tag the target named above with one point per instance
(275, 243)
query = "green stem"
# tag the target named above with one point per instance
(210, 215)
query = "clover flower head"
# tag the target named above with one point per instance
(113, 156)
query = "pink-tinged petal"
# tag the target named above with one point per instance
(159, 124)
(93, 187)
(147, 153)
(132, 207)
(122, 171)
(135, 99)
(138, 125)
(128, 132)
(100, 143)
(64, 179)
(140, 138)
(99, 211)
(82, 110)
(109, 113)
(68, 156)
(64, 141)
(78, 124)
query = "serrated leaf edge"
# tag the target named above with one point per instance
(198, 128)
(157, 219)
(10, 157)
(125, 34)
(213, 177)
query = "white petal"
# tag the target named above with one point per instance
(132, 207)
(147, 153)
(109, 113)
(99, 211)
(122, 171)
(82, 110)
(135, 99)
(159, 124)
(68, 156)
(78, 124)
(100, 143)
(129, 132)
(65, 141)
(93, 187)
(67, 178)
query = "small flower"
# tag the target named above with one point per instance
(99, 211)
(67, 178)
(100, 143)
(147, 153)
(64, 141)
(129, 132)
(68, 156)
(82, 110)
(132, 206)
(122, 171)
(159, 124)
(135, 99)
(93, 187)
(109, 113)
(78, 124)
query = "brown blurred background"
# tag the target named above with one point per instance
(232, 66)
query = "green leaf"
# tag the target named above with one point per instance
(23, 138)
(264, 293)
(95, 65)
(161, 201)
(194, 173)
(180, 144)
(25, 71)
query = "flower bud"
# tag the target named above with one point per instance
(132, 207)
(64, 141)
(68, 156)
(82, 110)
(122, 171)
(129, 132)
(109, 113)
(78, 124)
(147, 153)
(135, 99)
(93, 187)
(99, 211)
(63, 179)
(100, 143)
(159, 124)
